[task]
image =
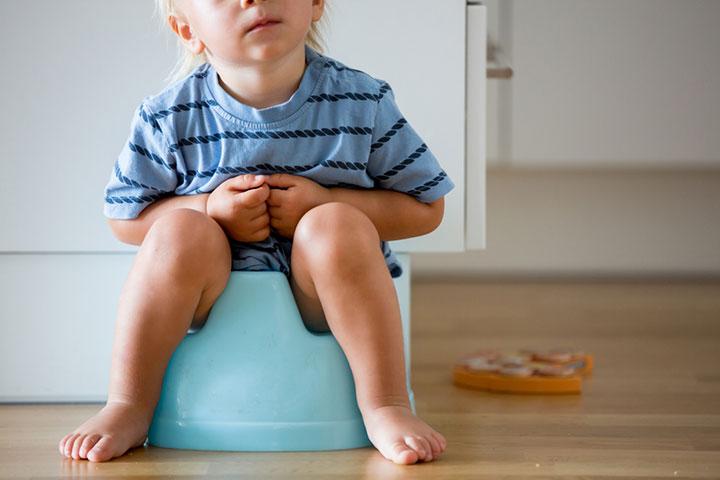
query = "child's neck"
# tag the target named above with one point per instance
(266, 84)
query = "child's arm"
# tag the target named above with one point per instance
(396, 215)
(133, 231)
(409, 183)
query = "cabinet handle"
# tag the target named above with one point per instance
(496, 65)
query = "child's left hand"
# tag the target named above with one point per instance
(286, 207)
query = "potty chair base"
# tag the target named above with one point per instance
(254, 378)
(260, 437)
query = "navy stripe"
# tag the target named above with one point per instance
(383, 90)
(389, 134)
(264, 134)
(344, 165)
(147, 153)
(141, 199)
(402, 165)
(259, 169)
(334, 97)
(149, 119)
(131, 182)
(428, 185)
(185, 107)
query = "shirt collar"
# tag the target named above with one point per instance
(235, 110)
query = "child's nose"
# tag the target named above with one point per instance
(247, 3)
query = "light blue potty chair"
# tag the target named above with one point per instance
(254, 378)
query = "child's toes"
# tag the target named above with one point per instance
(435, 444)
(67, 449)
(101, 451)
(401, 453)
(89, 442)
(443, 441)
(76, 446)
(63, 441)
(429, 456)
(427, 447)
(420, 445)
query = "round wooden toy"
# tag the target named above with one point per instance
(524, 371)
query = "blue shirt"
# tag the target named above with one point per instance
(340, 128)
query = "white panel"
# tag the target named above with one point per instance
(71, 81)
(78, 69)
(58, 319)
(58, 314)
(476, 125)
(418, 46)
(616, 82)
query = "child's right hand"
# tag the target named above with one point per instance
(238, 205)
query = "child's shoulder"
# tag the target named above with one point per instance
(182, 94)
(345, 75)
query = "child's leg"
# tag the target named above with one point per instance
(339, 276)
(180, 269)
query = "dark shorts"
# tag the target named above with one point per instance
(274, 253)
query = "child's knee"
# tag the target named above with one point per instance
(192, 236)
(335, 225)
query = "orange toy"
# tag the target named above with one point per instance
(524, 371)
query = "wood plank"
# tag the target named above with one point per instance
(650, 409)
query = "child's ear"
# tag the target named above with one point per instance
(318, 8)
(183, 30)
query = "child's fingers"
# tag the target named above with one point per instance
(256, 210)
(254, 197)
(282, 180)
(276, 197)
(246, 181)
(259, 222)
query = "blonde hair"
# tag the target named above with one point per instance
(188, 61)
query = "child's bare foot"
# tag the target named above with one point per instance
(108, 434)
(402, 437)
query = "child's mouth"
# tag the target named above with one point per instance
(263, 26)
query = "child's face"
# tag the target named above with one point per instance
(220, 28)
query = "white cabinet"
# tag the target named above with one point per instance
(77, 71)
(613, 83)
(476, 128)
(418, 46)
(75, 83)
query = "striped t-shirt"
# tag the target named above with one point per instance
(340, 128)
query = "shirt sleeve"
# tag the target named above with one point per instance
(144, 171)
(399, 159)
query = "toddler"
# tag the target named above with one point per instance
(264, 154)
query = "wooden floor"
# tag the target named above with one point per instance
(651, 408)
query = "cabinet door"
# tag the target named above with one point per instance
(476, 125)
(418, 46)
(74, 85)
(611, 83)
